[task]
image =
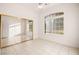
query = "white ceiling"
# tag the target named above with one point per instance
(34, 6)
(31, 6)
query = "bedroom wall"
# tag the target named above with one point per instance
(71, 21)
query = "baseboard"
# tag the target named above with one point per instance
(62, 44)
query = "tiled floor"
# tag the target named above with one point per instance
(39, 47)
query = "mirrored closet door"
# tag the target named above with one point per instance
(15, 30)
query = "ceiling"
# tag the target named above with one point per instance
(35, 5)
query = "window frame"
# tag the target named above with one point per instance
(55, 16)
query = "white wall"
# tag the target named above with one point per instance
(71, 26)
(21, 11)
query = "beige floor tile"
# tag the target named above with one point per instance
(39, 47)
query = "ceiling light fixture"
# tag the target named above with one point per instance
(41, 5)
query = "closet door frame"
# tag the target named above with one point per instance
(0, 30)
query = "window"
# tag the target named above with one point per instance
(54, 23)
(58, 25)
